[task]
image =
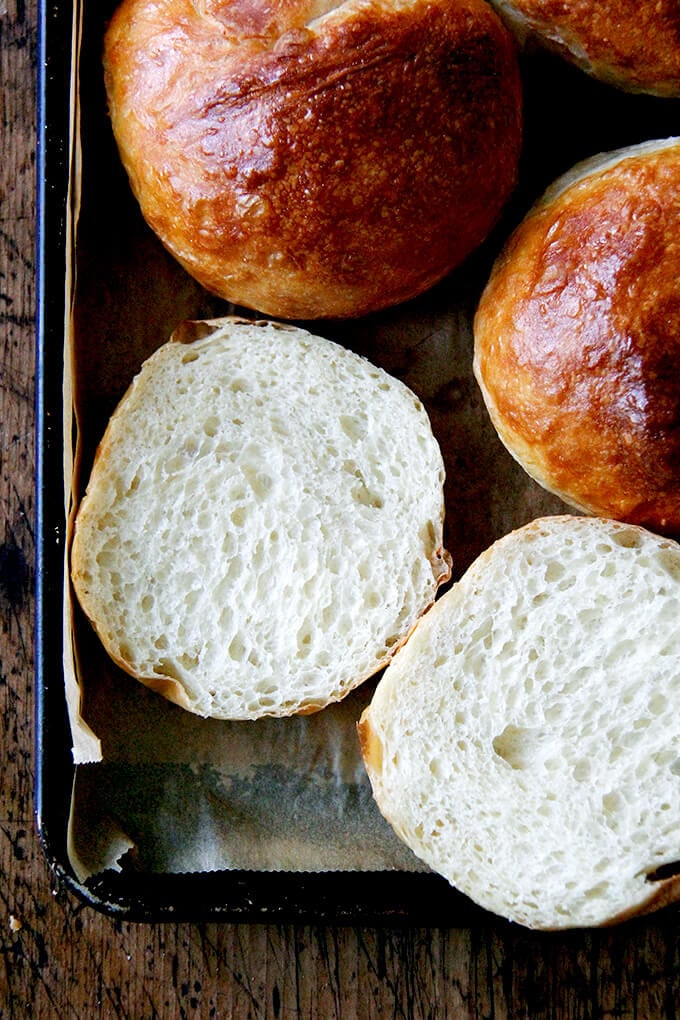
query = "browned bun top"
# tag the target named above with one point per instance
(577, 338)
(312, 164)
(634, 44)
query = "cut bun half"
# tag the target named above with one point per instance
(262, 527)
(525, 743)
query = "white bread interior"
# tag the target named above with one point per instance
(525, 743)
(262, 527)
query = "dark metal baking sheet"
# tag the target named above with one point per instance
(568, 117)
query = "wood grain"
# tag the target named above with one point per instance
(60, 959)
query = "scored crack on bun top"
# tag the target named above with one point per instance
(314, 160)
(577, 338)
(631, 44)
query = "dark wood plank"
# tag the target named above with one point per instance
(17, 302)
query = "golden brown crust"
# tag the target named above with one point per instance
(634, 44)
(369, 742)
(662, 894)
(316, 170)
(577, 341)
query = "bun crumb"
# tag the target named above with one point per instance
(263, 524)
(525, 743)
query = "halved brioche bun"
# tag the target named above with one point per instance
(316, 159)
(525, 742)
(262, 527)
(577, 337)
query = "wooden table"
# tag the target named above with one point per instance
(61, 959)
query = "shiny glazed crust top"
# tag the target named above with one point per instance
(634, 44)
(316, 164)
(577, 340)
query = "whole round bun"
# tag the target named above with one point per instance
(577, 338)
(310, 159)
(632, 44)
(525, 741)
(262, 527)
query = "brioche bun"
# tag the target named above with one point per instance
(316, 160)
(525, 742)
(262, 527)
(577, 338)
(632, 44)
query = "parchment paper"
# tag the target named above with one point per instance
(156, 788)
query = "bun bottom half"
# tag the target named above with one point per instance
(525, 743)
